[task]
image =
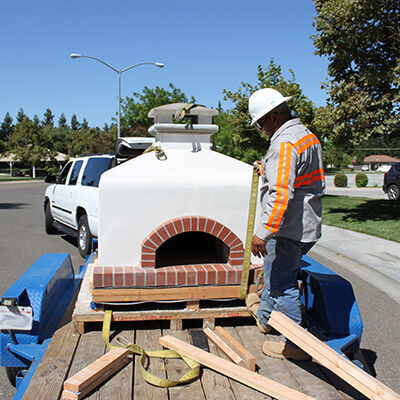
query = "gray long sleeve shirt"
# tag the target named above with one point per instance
(292, 184)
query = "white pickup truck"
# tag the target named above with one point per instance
(71, 203)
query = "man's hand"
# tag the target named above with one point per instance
(258, 247)
(259, 167)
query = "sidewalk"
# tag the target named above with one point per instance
(376, 253)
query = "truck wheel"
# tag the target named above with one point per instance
(11, 373)
(393, 192)
(48, 221)
(84, 237)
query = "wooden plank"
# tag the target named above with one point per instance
(169, 293)
(232, 348)
(71, 395)
(47, 381)
(236, 372)
(95, 370)
(329, 358)
(119, 387)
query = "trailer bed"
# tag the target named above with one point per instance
(69, 352)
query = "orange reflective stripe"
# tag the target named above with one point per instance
(307, 179)
(282, 185)
(306, 142)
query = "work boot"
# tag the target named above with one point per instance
(253, 304)
(283, 350)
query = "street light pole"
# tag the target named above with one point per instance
(119, 72)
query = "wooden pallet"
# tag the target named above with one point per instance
(149, 310)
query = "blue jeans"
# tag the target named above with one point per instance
(281, 268)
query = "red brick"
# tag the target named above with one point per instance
(118, 276)
(231, 276)
(229, 239)
(221, 274)
(178, 225)
(148, 264)
(169, 226)
(201, 275)
(156, 239)
(211, 274)
(129, 276)
(148, 246)
(191, 275)
(150, 277)
(163, 233)
(202, 224)
(140, 278)
(186, 224)
(223, 234)
(236, 262)
(108, 277)
(149, 257)
(236, 244)
(171, 276)
(161, 276)
(98, 277)
(180, 275)
(217, 229)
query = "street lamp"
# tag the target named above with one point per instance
(119, 72)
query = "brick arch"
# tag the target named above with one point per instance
(191, 224)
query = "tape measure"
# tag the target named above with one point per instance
(191, 375)
(249, 236)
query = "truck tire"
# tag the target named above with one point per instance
(48, 221)
(85, 237)
(393, 192)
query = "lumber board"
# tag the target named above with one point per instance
(329, 358)
(95, 370)
(232, 347)
(70, 395)
(234, 371)
(169, 293)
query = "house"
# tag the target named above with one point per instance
(380, 163)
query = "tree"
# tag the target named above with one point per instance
(6, 128)
(248, 144)
(361, 40)
(62, 121)
(75, 125)
(134, 110)
(31, 143)
(21, 115)
(48, 119)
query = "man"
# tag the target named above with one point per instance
(293, 182)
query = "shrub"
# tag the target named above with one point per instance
(340, 180)
(361, 180)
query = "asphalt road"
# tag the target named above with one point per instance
(24, 240)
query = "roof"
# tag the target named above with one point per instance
(380, 159)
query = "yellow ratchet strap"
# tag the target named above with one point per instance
(191, 375)
(249, 236)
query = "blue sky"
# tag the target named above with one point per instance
(206, 46)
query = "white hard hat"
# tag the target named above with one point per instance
(263, 101)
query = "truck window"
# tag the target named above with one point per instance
(94, 168)
(62, 179)
(75, 173)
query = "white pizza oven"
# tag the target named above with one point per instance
(178, 218)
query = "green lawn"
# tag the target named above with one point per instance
(375, 217)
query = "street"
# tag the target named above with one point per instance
(24, 241)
